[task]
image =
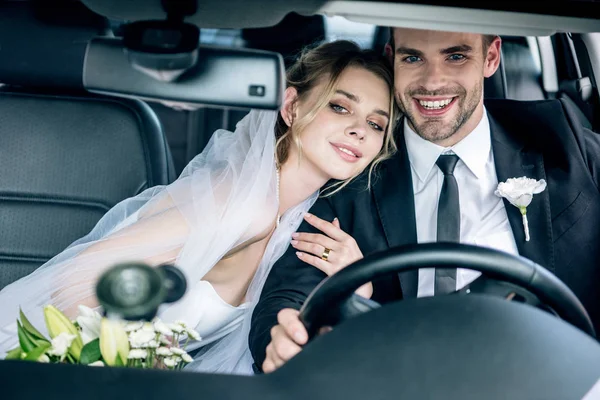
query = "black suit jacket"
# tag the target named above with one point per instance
(541, 140)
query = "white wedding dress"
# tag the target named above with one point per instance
(224, 197)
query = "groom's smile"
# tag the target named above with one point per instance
(437, 115)
(434, 106)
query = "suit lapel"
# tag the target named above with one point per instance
(513, 160)
(395, 204)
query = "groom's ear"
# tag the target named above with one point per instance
(289, 105)
(492, 57)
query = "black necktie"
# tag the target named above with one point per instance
(448, 221)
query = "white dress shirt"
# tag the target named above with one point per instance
(483, 218)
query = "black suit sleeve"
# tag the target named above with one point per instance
(288, 285)
(592, 154)
(588, 142)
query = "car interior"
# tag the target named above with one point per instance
(74, 155)
(69, 154)
(38, 76)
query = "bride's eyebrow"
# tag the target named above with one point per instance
(349, 95)
(381, 112)
(356, 99)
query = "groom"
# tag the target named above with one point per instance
(454, 149)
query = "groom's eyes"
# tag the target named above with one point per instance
(456, 57)
(411, 59)
(452, 57)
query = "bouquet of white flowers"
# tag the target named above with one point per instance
(97, 341)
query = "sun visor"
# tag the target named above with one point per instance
(220, 77)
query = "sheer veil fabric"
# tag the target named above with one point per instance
(225, 196)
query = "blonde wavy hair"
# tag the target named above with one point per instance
(330, 60)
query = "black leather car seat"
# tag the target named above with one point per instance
(518, 77)
(66, 157)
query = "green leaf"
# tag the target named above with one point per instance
(34, 354)
(30, 328)
(26, 344)
(90, 352)
(34, 339)
(14, 354)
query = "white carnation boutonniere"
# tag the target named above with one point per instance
(519, 192)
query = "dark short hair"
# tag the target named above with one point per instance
(487, 41)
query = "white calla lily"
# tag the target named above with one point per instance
(89, 321)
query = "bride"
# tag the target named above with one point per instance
(231, 213)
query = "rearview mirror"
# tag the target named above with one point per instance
(221, 77)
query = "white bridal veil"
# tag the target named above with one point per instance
(225, 196)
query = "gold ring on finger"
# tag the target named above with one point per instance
(325, 255)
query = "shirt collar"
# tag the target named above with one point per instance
(473, 150)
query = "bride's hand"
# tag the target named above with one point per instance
(330, 252)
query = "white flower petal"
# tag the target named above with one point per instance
(170, 362)
(193, 334)
(187, 358)
(519, 191)
(164, 340)
(540, 187)
(141, 338)
(61, 344)
(133, 326)
(44, 359)
(521, 201)
(163, 351)
(85, 311)
(161, 327)
(97, 364)
(176, 328)
(90, 327)
(137, 354)
(177, 350)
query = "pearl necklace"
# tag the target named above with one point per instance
(278, 220)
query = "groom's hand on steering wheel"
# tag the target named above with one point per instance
(330, 252)
(286, 339)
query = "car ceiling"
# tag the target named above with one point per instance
(499, 18)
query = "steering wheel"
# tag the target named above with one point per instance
(334, 301)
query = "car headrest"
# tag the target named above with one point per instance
(288, 37)
(43, 43)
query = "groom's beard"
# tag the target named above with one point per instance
(436, 129)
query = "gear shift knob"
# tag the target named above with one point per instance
(134, 291)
